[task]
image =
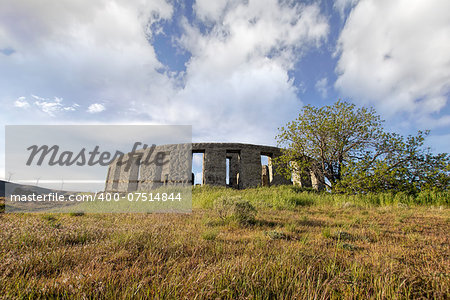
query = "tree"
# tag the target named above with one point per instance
(397, 164)
(348, 146)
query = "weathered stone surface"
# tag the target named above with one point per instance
(250, 175)
(245, 168)
(317, 181)
(276, 178)
(299, 178)
(214, 167)
(133, 174)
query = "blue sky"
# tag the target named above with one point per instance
(234, 70)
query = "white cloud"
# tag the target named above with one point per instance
(21, 102)
(395, 54)
(95, 108)
(322, 87)
(210, 10)
(82, 50)
(52, 107)
(49, 106)
(236, 85)
(343, 5)
(73, 107)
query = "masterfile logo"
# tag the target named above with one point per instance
(68, 168)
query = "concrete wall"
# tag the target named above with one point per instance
(245, 169)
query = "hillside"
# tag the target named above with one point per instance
(295, 244)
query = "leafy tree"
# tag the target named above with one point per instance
(348, 149)
(398, 164)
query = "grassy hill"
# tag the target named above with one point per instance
(293, 244)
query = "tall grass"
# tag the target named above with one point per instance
(300, 245)
(291, 197)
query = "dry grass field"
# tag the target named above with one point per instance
(299, 245)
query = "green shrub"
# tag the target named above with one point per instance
(235, 209)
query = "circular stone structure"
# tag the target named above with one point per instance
(171, 164)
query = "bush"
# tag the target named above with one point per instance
(235, 209)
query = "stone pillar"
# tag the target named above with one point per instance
(134, 174)
(234, 170)
(180, 166)
(166, 168)
(275, 176)
(300, 178)
(150, 172)
(250, 174)
(115, 173)
(214, 167)
(110, 177)
(123, 176)
(317, 181)
(128, 177)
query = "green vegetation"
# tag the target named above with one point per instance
(294, 198)
(352, 153)
(235, 209)
(298, 244)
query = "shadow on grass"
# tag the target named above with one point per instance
(311, 223)
(2, 205)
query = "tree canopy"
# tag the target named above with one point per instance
(348, 146)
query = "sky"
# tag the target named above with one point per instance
(234, 70)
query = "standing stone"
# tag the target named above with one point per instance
(245, 168)
(299, 178)
(110, 177)
(317, 181)
(150, 172)
(214, 167)
(250, 175)
(275, 176)
(134, 174)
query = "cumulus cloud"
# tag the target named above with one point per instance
(236, 85)
(95, 108)
(207, 10)
(236, 82)
(343, 5)
(395, 54)
(322, 87)
(82, 50)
